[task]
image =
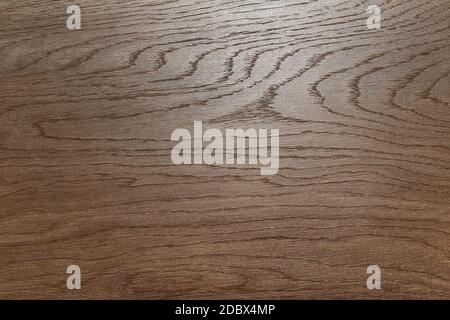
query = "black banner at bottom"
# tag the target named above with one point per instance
(217, 309)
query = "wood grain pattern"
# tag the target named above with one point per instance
(85, 170)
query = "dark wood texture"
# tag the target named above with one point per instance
(86, 176)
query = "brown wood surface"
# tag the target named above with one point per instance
(86, 176)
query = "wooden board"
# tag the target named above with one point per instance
(86, 176)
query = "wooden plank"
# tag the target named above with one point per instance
(86, 176)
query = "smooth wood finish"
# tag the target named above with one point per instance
(86, 176)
